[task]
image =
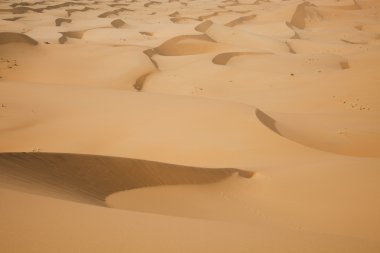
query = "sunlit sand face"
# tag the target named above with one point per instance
(190, 126)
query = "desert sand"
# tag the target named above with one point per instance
(190, 126)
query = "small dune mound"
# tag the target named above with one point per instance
(62, 39)
(22, 10)
(65, 4)
(186, 45)
(90, 178)
(71, 34)
(74, 34)
(303, 11)
(9, 37)
(116, 12)
(118, 23)
(118, 5)
(223, 58)
(151, 3)
(246, 174)
(12, 19)
(204, 17)
(240, 20)
(183, 20)
(146, 33)
(202, 27)
(243, 39)
(59, 21)
(26, 3)
(174, 14)
(71, 11)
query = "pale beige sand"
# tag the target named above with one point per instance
(190, 126)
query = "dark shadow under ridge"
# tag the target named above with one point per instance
(91, 178)
(267, 120)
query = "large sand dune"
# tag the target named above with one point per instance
(190, 126)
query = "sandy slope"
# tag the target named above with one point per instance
(190, 126)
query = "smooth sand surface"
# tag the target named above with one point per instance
(190, 126)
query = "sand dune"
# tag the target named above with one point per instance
(8, 37)
(117, 23)
(75, 64)
(93, 178)
(186, 45)
(189, 126)
(59, 21)
(228, 35)
(223, 58)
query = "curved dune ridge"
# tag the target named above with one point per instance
(26, 3)
(186, 45)
(341, 136)
(301, 64)
(74, 34)
(111, 13)
(118, 23)
(202, 27)
(223, 58)
(183, 20)
(90, 178)
(139, 84)
(303, 11)
(84, 9)
(299, 128)
(9, 37)
(239, 20)
(59, 21)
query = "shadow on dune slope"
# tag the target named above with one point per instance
(338, 136)
(91, 178)
(10, 37)
(267, 121)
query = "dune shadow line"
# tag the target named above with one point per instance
(95, 177)
(267, 120)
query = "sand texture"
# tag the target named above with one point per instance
(210, 126)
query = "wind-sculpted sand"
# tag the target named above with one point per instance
(190, 126)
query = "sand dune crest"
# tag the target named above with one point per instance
(93, 178)
(9, 37)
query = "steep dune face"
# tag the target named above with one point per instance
(335, 133)
(304, 12)
(90, 179)
(186, 45)
(195, 126)
(8, 37)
